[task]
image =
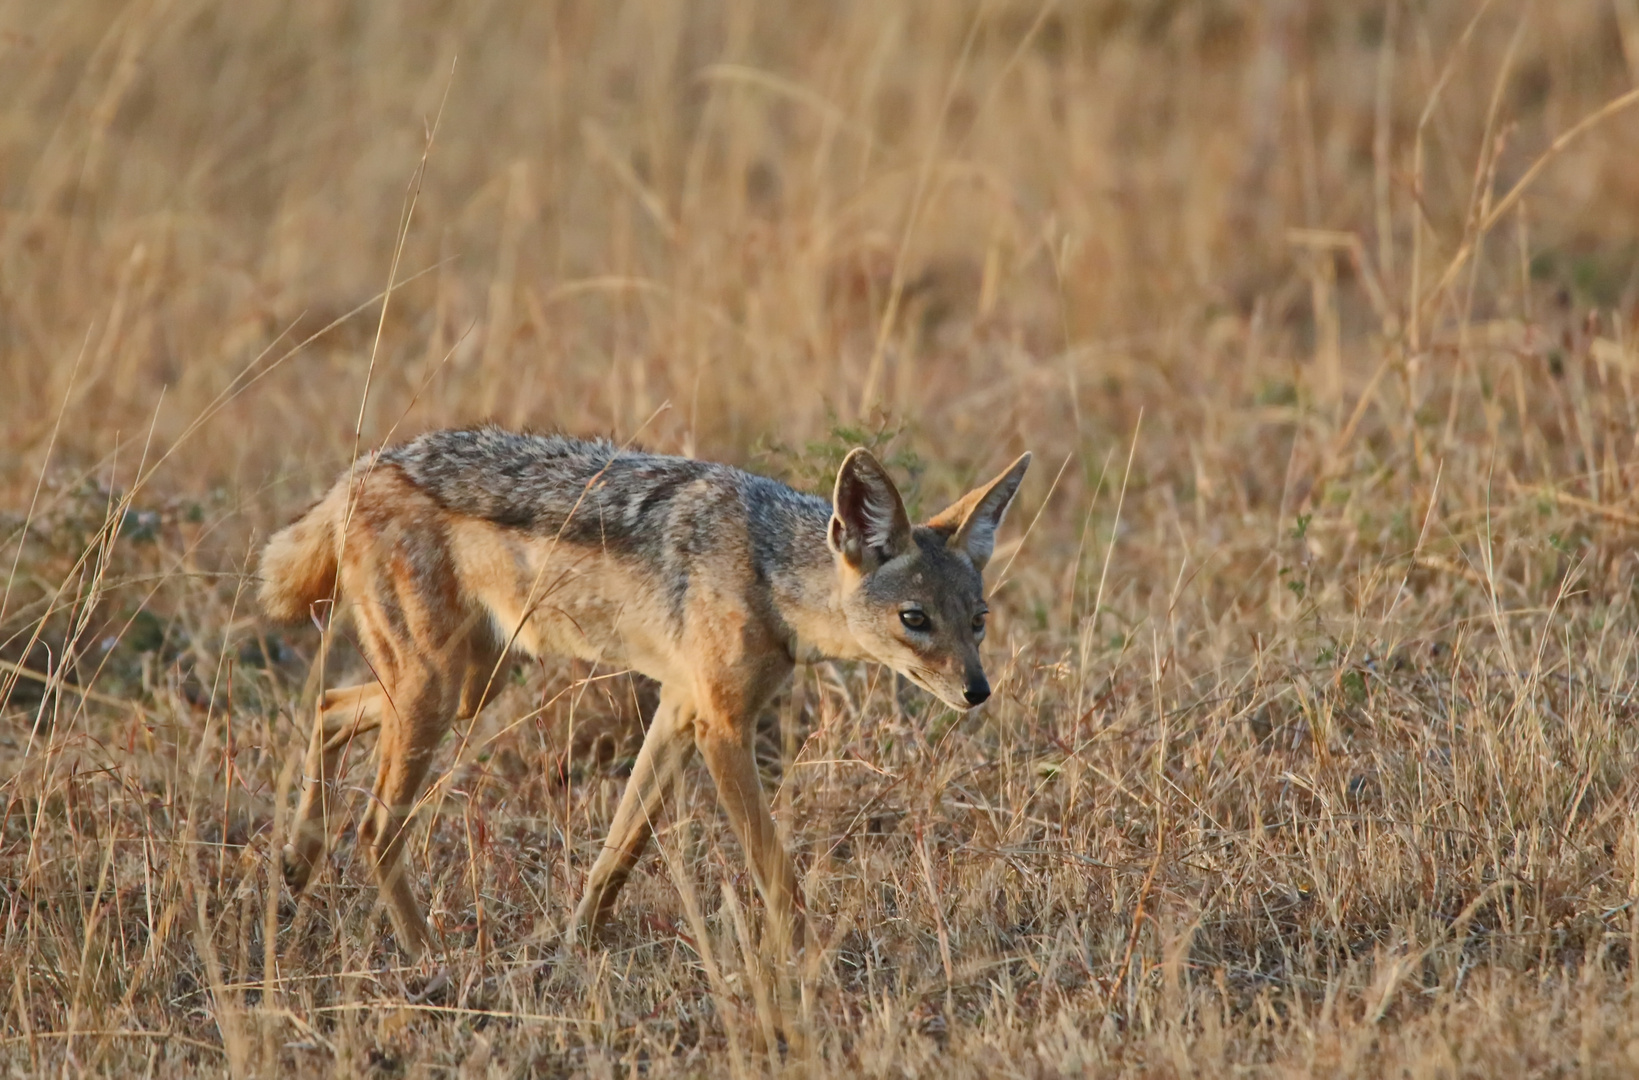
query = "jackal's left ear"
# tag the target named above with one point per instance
(868, 521)
(970, 523)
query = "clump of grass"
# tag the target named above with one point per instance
(1311, 746)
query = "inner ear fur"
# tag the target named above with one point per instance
(869, 525)
(970, 523)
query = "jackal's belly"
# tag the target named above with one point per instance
(565, 599)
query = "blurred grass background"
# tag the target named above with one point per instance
(1312, 746)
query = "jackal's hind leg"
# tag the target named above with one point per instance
(666, 750)
(342, 716)
(405, 751)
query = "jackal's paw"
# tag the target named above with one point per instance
(296, 868)
(422, 989)
(592, 915)
(583, 929)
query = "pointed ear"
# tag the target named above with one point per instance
(970, 523)
(868, 522)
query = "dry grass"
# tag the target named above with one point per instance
(1312, 748)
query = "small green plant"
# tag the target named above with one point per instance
(814, 466)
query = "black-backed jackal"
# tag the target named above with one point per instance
(462, 547)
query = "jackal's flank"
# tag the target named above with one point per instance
(462, 547)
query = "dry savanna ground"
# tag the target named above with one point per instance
(1312, 746)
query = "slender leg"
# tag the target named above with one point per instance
(406, 751)
(342, 715)
(734, 769)
(666, 749)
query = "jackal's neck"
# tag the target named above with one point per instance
(807, 594)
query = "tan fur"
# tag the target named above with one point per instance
(299, 563)
(440, 597)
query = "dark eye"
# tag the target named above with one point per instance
(979, 623)
(913, 619)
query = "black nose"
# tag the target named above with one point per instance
(977, 692)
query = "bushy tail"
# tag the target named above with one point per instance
(299, 563)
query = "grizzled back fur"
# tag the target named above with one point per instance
(592, 492)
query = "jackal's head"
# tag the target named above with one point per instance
(914, 595)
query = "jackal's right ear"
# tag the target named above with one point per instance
(868, 521)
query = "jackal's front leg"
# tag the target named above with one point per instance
(667, 748)
(727, 750)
